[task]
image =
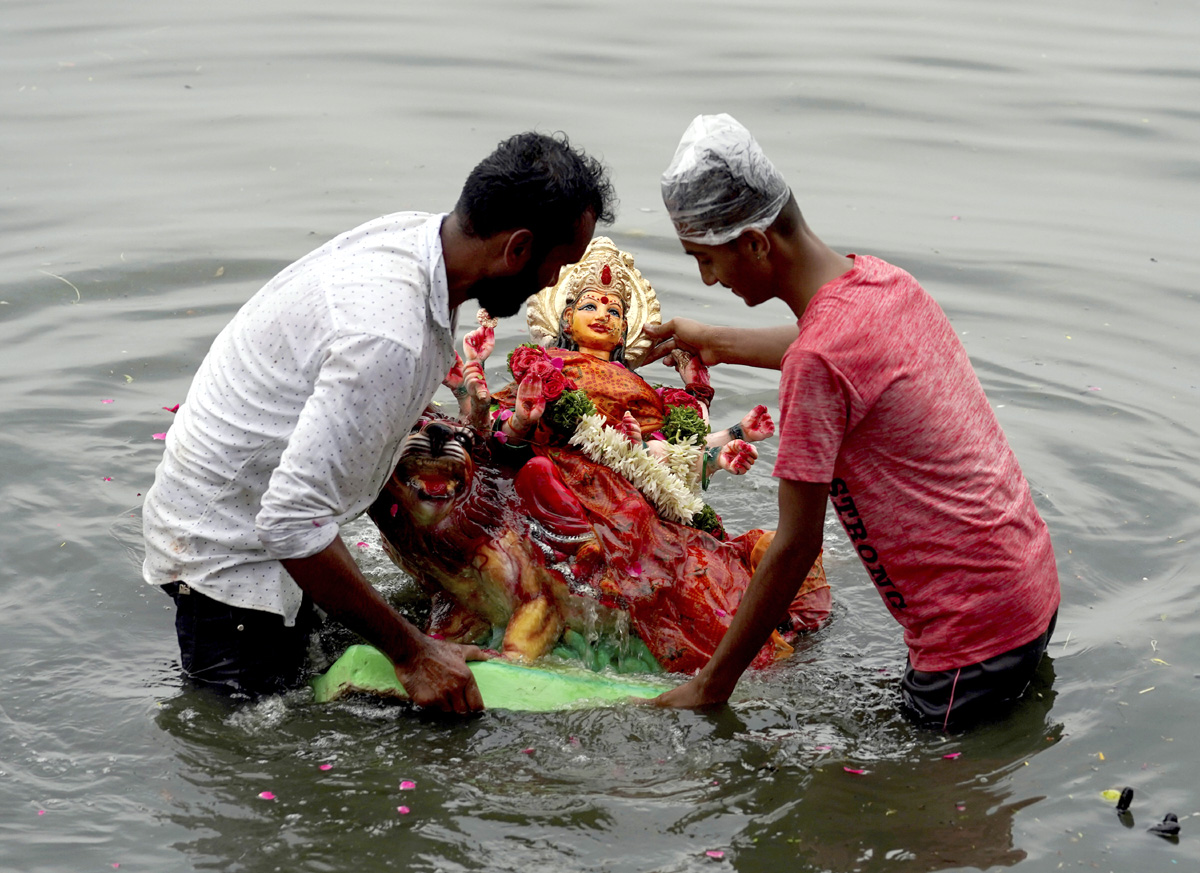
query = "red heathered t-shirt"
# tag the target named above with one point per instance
(879, 398)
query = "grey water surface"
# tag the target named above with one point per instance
(1035, 165)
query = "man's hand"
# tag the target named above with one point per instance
(696, 693)
(751, 346)
(684, 334)
(737, 457)
(437, 676)
(433, 672)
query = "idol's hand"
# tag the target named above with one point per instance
(684, 334)
(454, 379)
(692, 368)
(657, 449)
(531, 403)
(630, 428)
(478, 344)
(475, 382)
(737, 457)
(757, 424)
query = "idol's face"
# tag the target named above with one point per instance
(598, 321)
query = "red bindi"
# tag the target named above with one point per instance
(604, 300)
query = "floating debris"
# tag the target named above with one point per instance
(1168, 827)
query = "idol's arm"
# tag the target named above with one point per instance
(797, 544)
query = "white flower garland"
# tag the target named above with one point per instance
(671, 487)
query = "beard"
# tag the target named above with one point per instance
(503, 296)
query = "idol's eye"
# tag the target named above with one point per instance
(420, 423)
(587, 307)
(615, 313)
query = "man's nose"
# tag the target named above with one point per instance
(707, 276)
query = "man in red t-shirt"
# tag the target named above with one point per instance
(882, 415)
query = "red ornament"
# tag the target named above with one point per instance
(606, 275)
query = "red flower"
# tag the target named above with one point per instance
(526, 361)
(679, 397)
(522, 358)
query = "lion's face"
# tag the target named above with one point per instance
(434, 471)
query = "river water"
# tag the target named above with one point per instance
(1034, 165)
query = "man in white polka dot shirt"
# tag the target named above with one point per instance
(294, 420)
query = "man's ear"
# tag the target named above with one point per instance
(754, 244)
(518, 250)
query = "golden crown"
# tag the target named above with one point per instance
(606, 269)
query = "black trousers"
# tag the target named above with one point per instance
(961, 697)
(239, 651)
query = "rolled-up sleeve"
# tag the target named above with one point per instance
(368, 393)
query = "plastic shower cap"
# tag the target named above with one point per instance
(720, 183)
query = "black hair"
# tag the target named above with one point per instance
(538, 182)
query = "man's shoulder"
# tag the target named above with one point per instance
(392, 230)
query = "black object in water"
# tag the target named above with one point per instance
(1168, 827)
(1126, 799)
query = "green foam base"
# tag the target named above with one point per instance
(502, 684)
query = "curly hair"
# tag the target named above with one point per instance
(539, 182)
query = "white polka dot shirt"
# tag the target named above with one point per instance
(294, 419)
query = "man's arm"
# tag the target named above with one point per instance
(433, 672)
(776, 581)
(345, 435)
(715, 344)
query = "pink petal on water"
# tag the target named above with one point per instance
(363, 545)
(108, 401)
(855, 772)
(116, 865)
(403, 810)
(395, 509)
(174, 408)
(528, 751)
(325, 767)
(824, 748)
(1093, 388)
(108, 478)
(266, 795)
(407, 785)
(952, 755)
(41, 812)
(158, 436)
(715, 853)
